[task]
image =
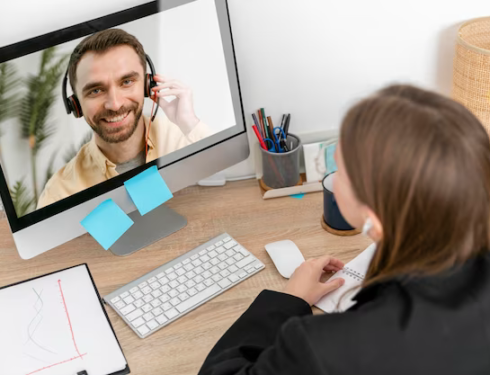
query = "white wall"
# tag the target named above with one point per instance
(312, 58)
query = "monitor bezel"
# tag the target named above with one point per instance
(67, 34)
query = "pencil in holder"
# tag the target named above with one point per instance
(281, 169)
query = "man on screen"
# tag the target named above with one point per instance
(107, 73)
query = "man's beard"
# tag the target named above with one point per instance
(118, 134)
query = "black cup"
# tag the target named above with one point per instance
(331, 213)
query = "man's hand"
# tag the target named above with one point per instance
(305, 282)
(181, 109)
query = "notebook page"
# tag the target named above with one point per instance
(353, 274)
(55, 325)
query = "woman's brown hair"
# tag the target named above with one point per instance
(421, 163)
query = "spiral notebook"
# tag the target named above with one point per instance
(56, 325)
(353, 273)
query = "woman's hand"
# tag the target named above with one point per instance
(305, 282)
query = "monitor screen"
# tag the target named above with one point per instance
(48, 156)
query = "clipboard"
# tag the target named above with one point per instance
(56, 324)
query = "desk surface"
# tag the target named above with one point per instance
(236, 208)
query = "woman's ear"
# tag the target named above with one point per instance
(372, 227)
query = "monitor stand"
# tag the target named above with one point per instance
(156, 224)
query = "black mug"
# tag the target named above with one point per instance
(331, 213)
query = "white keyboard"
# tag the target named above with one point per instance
(179, 286)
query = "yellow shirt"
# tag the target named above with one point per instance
(91, 167)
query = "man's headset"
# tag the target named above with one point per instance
(72, 105)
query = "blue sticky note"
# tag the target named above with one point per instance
(148, 190)
(107, 223)
(298, 196)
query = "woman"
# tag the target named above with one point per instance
(414, 170)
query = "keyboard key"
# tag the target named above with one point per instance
(155, 285)
(198, 298)
(251, 270)
(127, 309)
(207, 265)
(142, 285)
(222, 257)
(137, 295)
(172, 276)
(169, 270)
(129, 300)
(166, 288)
(212, 254)
(190, 275)
(258, 266)
(157, 311)
(230, 261)
(224, 283)
(183, 297)
(204, 258)
(152, 324)
(238, 257)
(210, 248)
(195, 256)
(214, 270)
(175, 301)
(245, 261)
(146, 290)
(138, 322)
(242, 251)
(200, 287)
(208, 282)
(199, 270)
(124, 295)
(223, 266)
(148, 298)
(233, 269)
(230, 244)
(177, 266)
(161, 275)
(143, 330)
(196, 262)
(192, 291)
(219, 243)
(156, 303)
(146, 308)
(171, 313)
(148, 316)
(224, 273)
(242, 274)
(206, 274)
(152, 280)
(173, 293)
(214, 261)
(138, 303)
(133, 290)
(156, 294)
(189, 267)
(181, 271)
(166, 306)
(217, 278)
(202, 252)
(190, 284)
(198, 279)
(135, 314)
(174, 284)
(181, 288)
(165, 298)
(226, 239)
(162, 319)
(220, 250)
(230, 253)
(187, 261)
(182, 279)
(233, 278)
(115, 300)
(120, 304)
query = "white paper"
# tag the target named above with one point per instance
(55, 325)
(353, 273)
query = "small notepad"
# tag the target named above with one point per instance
(353, 273)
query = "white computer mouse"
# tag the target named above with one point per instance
(286, 256)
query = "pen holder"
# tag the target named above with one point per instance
(282, 169)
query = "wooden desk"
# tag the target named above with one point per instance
(236, 208)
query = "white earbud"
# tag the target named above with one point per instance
(368, 225)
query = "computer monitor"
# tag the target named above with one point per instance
(56, 168)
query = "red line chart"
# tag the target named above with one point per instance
(78, 356)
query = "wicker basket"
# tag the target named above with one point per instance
(471, 72)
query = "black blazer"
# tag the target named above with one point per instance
(422, 326)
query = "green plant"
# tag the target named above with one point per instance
(22, 198)
(42, 91)
(8, 83)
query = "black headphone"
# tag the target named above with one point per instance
(72, 105)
